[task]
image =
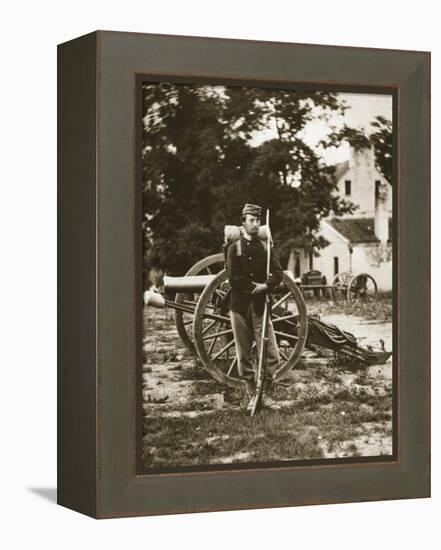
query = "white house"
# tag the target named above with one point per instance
(359, 242)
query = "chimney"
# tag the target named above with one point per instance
(381, 226)
(362, 158)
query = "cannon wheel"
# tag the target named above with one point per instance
(214, 340)
(362, 287)
(184, 321)
(340, 286)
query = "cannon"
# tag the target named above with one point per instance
(345, 286)
(351, 287)
(204, 325)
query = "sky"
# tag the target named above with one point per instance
(363, 108)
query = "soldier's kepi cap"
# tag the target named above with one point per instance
(252, 209)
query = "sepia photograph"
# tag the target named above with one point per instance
(267, 238)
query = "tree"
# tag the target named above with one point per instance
(381, 139)
(202, 161)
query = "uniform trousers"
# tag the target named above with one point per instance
(247, 330)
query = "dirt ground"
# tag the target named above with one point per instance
(330, 408)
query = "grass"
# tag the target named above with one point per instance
(332, 408)
(320, 420)
(378, 309)
(223, 434)
(195, 372)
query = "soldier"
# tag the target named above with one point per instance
(246, 269)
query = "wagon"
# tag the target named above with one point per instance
(204, 325)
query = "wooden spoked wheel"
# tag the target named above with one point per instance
(340, 285)
(213, 333)
(362, 287)
(210, 265)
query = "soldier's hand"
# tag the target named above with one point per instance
(259, 287)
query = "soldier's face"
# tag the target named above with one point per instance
(251, 225)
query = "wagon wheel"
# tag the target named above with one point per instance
(340, 286)
(184, 321)
(214, 339)
(362, 287)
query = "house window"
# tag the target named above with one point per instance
(336, 268)
(297, 265)
(347, 187)
(377, 188)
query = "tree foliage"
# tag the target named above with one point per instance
(202, 162)
(381, 139)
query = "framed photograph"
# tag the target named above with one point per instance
(244, 270)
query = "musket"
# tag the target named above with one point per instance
(261, 369)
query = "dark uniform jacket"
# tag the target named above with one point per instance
(246, 268)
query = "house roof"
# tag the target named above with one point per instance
(357, 230)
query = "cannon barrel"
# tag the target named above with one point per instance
(188, 284)
(185, 285)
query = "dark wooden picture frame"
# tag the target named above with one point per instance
(100, 285)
